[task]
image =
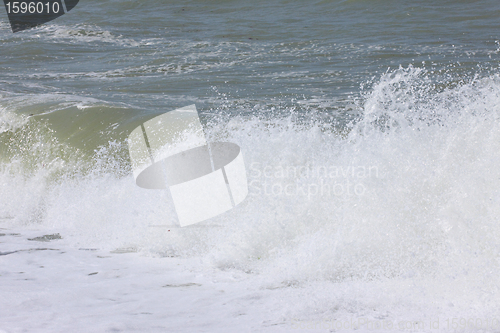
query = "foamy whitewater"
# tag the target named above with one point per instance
(374, 196)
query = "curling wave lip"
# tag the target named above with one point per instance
(170, 151)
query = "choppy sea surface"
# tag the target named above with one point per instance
(370, 133)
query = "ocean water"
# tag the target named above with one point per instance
(371, 141)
